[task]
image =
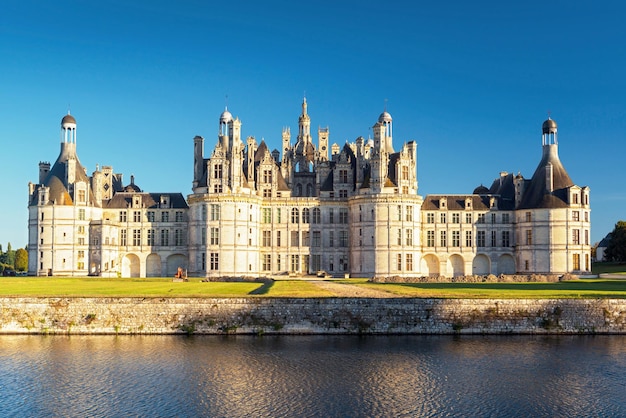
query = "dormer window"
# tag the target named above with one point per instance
(165, 201)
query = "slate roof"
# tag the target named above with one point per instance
(124, 200)
(536, 194)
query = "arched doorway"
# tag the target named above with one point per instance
(481, 266)
(456, 264)
(506, 264)
(153, 266)
(174, 261)
(130, 266)
(430, 265)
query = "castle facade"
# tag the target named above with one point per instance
(307, 209)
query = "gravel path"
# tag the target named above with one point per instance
(351, 291)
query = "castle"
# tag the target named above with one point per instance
(310, 208)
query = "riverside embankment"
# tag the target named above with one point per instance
(341, 315)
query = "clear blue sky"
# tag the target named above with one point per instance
(471, 82)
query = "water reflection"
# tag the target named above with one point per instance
(312, 376)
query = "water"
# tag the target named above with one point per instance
(312, 376)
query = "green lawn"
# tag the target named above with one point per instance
(152, 287)
(609, 267)
(587, 288)
(164, 287)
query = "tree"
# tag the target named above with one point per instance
(21, 260)
(616, 250)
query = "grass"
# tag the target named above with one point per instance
(587, 288)
(164, 287)
(152, 287)
(608, 267)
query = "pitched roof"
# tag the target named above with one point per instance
(536, 194)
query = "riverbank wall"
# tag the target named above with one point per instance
(25, 315)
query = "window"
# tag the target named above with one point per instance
(442, 218)
(409, 237)
(493, 218)
(576, 261)
(343, 238)
(405, 172)
(306, 218)
(305, 238)
(215, 236)
(430, 218)
(331, 239)
(150, 236)
(576, 236)
(278, 213)
(587, 238)
(267, 192)
(81, 214)
(214, 261)
(481, 218)
(267, 238)
(267, 262)
(136, 237)
(179, 216)
(278, 264)
(409, 262)
(267, 176)
(399, 212)
(456, 238)
(165, 216)
(81, 196)
(317, 239)
(576, 215)
(575, 196)
(217, 171)
(480, 238)
(526, 265)
(123, 237)
(81, 229)
(295, 216)
(215, 212)
(586, 216)
(409, 213)
(165, 237)
(443, 239)
(399, 242)
(266, 216)
(136, 216)
(179, 238)
(456, 218)
(295, 239)
(203, 237)
(343, 216)
(468, 218)
(123, 216)
(506, 238)
(343, 176)
(343, 194)
(430, 238)
(316, 215)
(494, 239)
(150, 214)
(81, 254)
(468, 238)
(505, 218)
(331, 216)
(278, 240)
(529, 237)
(295, 262)
(529, 217)
(399, 262)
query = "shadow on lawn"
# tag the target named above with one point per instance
(262, 290)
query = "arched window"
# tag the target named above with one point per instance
(309, 190)
(317, 215)
(299, 190)
(305, 216)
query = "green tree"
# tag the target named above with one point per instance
(9, 256)
(21, 260)
(616, 250)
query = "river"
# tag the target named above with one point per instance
(312, 376)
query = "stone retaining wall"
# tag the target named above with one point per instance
(310, 316)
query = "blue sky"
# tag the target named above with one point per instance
(471, 82)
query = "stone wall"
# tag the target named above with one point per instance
(310, 316)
